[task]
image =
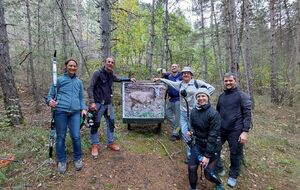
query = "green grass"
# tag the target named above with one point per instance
(272, 153)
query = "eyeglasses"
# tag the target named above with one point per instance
(228, 80)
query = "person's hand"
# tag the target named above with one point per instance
(156, 79)
(52, 103)
(132, 79)
(83, 113)
(243, 139)
(93, 106)
(204, 162)
(190, 133)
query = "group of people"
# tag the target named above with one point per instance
(203, 128)
(68, 104)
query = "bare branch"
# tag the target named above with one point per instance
(25, 58)
(127, 11)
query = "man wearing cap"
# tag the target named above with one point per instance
(234, 107)
(205, 124)
(187, 88)
(173, 105)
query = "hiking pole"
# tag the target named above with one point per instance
(52, 127)
(192, 142)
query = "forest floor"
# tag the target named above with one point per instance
(148, 160)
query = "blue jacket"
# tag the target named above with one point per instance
(234, 107)
(172, 92)
(70, 96)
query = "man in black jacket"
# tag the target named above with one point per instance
(234, 107)
(100, 101)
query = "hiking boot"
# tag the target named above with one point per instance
(221, 173)
(78, 164)
(113, 147)
(62, 167)
(219, 187)
(95, 150)
(231, 182)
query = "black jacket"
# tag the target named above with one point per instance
(206, 123)
(100, 86)
(234, 107)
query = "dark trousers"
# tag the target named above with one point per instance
(236, 152)
(209, 171)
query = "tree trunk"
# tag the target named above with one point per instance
(248, 51)
(64, 31)
(273, 81)
(204, 58)
(226, 34)
(30, 59)
(39, 53)
(105, 28)
(79, 28)
(216, 43)
(295, 57)
(233, 37)
(10, 93)
(165, 33)
(152, 39)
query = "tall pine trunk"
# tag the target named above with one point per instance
(64, 31)
(204, 57)
(216, 43)
(248, 51)
(30, 59)
(273, 81)
(152, 39)
(105, 28)
(10, 93)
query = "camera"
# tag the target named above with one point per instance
(183, 93)
(91, 118)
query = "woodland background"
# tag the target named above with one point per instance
(258, 39)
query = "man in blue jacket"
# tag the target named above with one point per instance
(234, 107)
(173, 105)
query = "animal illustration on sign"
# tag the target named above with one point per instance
(143, 98)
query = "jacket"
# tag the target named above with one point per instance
(173, 93)
(100, 86)
(70, 97)
(234, 107)
(206, 123)
(190, 89)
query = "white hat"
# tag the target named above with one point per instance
(187, 69)
(202, 91)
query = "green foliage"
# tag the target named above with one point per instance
(3, 177)
(4, 122)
